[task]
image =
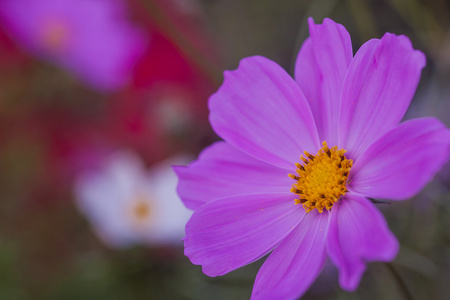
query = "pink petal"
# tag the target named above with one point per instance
(221, 170)
(320, 69)
(377, 91)
(399, 164)
(260, 110)
(296, 262)
(358, 233)
(228, 233)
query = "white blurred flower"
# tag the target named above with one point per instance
(128, 205)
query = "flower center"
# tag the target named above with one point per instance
(141, 209)
(321, 179)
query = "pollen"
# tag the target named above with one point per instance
(142, 210)
(321, 179)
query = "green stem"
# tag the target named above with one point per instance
(400, 282)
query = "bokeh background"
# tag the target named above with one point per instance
(64, 119)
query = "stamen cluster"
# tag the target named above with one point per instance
(321, 179)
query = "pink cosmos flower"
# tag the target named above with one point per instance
(335, 131)
(91, 38)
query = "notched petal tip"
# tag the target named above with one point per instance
(258, 99)
(383, 77)
(325, 21)
(245, 63)
(406, 45)
(403, 161)
(320, 69)
(358, 234)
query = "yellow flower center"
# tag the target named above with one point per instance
(321, 179)
(141, 209)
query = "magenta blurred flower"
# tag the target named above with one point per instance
(128, 205)
(91, 38)
(342, 114)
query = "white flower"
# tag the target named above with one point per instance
(128, 205)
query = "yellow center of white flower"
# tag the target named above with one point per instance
(141, 209)
(321, 179)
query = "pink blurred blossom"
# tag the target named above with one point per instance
(91, 38)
